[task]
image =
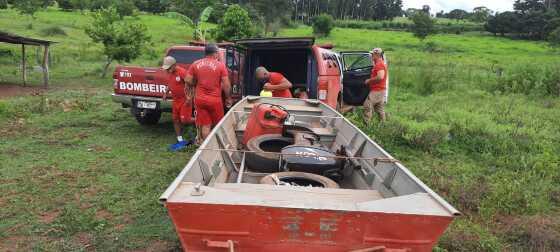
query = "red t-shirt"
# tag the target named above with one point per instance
(176, 83)
(208, 73)
(275, 79)
(380, 85)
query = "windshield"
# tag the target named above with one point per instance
(186, 57)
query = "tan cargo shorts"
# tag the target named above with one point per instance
(374, 102)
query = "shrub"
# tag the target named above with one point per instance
(235, 24)
(3, 4)
(53, 31)
(125, 8)
(322, 25)
(530, 79)
(423, 25)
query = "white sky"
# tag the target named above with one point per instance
(437, 5)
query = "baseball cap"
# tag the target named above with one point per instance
(210, 49)
(377, 51)
(168, 62)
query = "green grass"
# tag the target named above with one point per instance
(77, 172)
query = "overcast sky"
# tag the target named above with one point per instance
(447, 5)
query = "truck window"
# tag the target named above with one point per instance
(357, 61)
(186, 57)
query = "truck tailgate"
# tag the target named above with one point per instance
(140, 81)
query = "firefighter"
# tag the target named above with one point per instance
(378, 85)
(275, 82)
(181, 99)
(210, 78)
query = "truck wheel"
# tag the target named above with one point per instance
(147, 117)
(258, 161)
(299, 179)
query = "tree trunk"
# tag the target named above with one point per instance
(109, 60)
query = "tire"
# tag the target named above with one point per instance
(302, 178)
(147, 117)
(258, 161)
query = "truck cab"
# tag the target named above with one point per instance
(331, 77)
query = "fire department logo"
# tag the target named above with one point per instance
(178, 78)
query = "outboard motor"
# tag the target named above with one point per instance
(307, 155)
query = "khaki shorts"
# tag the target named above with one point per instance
(374, 102)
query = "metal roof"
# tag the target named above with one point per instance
(15, 39)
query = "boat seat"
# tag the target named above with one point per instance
(294, 194)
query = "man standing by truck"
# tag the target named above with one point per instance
(275, 82)
(210, 76)
(377, 84)
(181, 98)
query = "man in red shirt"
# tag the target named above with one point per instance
(275, 82)
(377, 84)
(210, 76)
(181, 109)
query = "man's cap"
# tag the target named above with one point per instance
(210, 48)
(377, 51)
(168, 62)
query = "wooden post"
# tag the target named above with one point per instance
(23, 70)
(46, 67)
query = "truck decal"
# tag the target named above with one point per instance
(143, 87)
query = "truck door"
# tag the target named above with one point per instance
(356, 70)
(234, 58)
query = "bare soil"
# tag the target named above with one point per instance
(13, 90)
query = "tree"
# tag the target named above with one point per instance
(3, 4)
(322, 25)
(480, 14)
(125, 7)
(81, 5)
(235, 24)
(272, 10)
(457, 14)
(423, 25)
(122, 39)
(554, 38)
(65, 5)
(28, 7)
(200, 28)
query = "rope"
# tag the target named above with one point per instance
(374, 159)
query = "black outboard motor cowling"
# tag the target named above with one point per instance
(312, 159)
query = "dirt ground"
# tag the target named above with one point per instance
(11, 90)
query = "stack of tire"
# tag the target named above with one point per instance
(262, 157)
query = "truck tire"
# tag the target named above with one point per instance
(300, 178)
(147, 116)
(258, 161)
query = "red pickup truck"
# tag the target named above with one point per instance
(331, 77)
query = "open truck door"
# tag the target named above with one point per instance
(235, 57)
(357, 68)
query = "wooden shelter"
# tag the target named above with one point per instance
(23, 41)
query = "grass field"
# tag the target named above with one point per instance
(78, 173)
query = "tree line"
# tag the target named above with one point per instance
(531, 19)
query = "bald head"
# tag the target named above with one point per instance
(261, 73)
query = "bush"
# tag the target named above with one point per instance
(53, 31)
(322, 25)
(3, 4)
(236, 24)
(125, 8)
(423, 25)
(530, 79)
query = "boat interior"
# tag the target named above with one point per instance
(371, 179)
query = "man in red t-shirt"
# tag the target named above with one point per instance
(377, 84)
(275, 82)
(210, 76)
(181, 109)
